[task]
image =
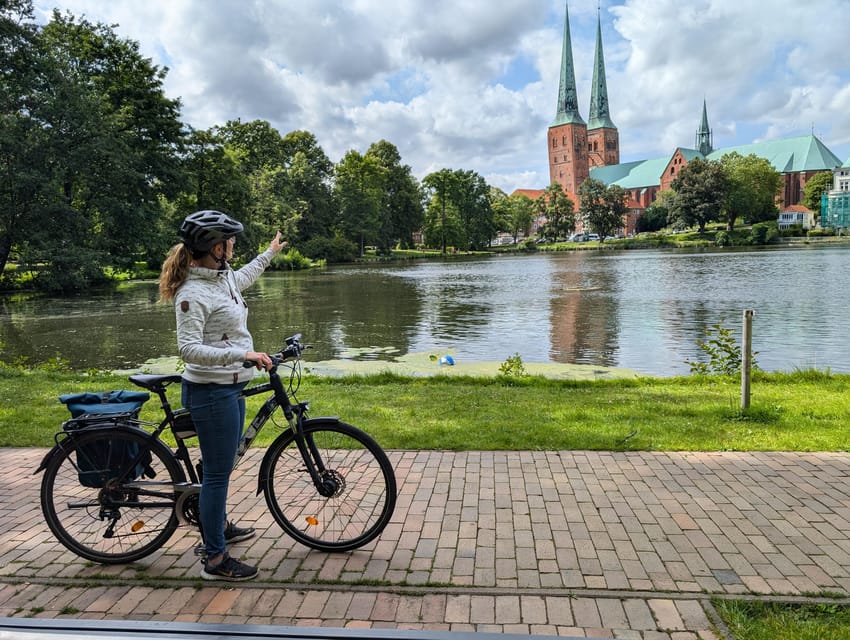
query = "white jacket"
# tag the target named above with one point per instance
(212, 322)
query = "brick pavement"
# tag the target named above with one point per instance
(599, 544)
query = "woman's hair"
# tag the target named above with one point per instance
(174, 271)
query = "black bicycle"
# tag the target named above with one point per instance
(114, 492)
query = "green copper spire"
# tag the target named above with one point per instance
(599, 116)
(567, 98)
(704, 141)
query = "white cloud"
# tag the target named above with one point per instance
(428, 75)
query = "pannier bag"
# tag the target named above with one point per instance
(102, 461)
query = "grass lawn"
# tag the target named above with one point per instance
(803, 411)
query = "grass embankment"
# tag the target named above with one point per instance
(802, 411)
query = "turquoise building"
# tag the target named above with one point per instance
(835, 204)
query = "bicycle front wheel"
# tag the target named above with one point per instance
(358, 492)
(103, 507)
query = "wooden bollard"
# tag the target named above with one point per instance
(746, 357)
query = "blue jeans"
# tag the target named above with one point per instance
(219, 416)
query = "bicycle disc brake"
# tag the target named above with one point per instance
(333, 484)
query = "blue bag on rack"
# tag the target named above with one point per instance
(100, 462)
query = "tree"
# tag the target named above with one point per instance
(559, 210)
(654, 217)
(359, 195)
(472, 199)
(699, 193)
(309, 182)
(401, 206)
(517, 211)
(24, 144)
(442, 222)
(753, 187)
(814, 188)
(97, 141)
(602, 208)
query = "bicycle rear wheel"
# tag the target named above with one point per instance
(103, 507)
(359, 482)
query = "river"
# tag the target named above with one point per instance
(643, 310)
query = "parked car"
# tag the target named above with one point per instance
(578, 237)
(593, 236)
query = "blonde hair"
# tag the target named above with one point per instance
(175, 269)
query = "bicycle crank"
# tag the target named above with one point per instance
(187, 505)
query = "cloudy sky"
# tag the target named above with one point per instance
(473, 84)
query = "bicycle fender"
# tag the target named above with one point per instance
(46, 459)
(262, 477)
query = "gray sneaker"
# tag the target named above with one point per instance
(229, 569)
(232, 533)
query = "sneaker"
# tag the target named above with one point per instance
(228, 569)
(232, 533)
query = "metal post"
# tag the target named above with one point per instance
(746, 357)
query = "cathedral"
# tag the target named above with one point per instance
(578, 150)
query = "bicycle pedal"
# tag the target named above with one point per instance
(201, 551)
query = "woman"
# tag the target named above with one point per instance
(213, 342)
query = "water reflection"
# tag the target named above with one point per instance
(643, 310)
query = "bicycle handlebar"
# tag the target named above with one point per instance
(292, 350)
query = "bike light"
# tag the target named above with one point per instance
(311, 520)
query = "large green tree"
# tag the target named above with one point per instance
(359, 195)
(401, 206)
(700, 190)
(559, 210)
(97, 150)
(814, 188)
(309, 185)
(602, 208)
(513, 213)
(753, 187)
(442, 222)
(24, 143)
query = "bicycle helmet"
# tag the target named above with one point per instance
(202, 230)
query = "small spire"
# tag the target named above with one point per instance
(567, 97)
(599, 116)
(704, 141)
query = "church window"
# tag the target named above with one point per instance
(554, 142)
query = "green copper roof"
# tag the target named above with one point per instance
(599, 116)
(567, 98)
(846, 164)
(804, 153)
(643, 173)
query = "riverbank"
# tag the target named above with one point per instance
(802, 411)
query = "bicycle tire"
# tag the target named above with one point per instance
(356, 513)
(124, 519)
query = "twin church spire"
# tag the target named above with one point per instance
(575, 147)
(568, 112)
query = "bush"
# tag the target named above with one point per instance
(529, 244)
(764, 233)
(724, 354)
(292, 260)
(820, 233)
(331, 249)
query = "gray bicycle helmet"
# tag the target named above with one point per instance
(202, 230)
